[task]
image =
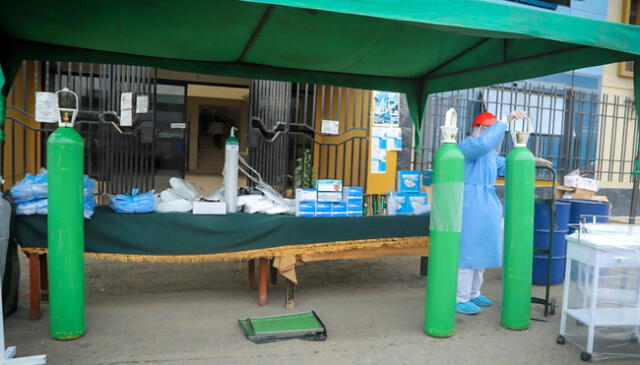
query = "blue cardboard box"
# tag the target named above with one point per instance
(352, 192)
(305, 209)
(333, 196)
(339, 207)
(416, 201)
(408, 181)
(354, 205)
(397, 203)
(323, 207)
(427, 177)
(354, 213)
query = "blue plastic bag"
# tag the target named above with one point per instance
(30, 188)
(39, 206)
(134, 203)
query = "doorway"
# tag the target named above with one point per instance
(212, 112)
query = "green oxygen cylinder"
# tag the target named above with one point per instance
(445, 225)
(518, 232)
(65, 155)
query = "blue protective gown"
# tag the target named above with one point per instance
(481, 234)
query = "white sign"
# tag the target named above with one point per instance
(46, 107)
(142, 104)
(330, 127)
(178, 125)
(394, 139)
(126, 118)
(125, 101)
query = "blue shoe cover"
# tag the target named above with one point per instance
(482, 301)
(467, 308)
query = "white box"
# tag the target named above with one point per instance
(306, 195)
(213, 208)
(581, 183)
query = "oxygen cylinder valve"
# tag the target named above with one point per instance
(520, 137)
(449, 130)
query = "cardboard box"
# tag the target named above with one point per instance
(306, 195)
(323, 207)
(579, 194)
(354, 213)
(325, 196)
(305, 209)
(578, 182)
(427, 177)
(209, 208)
(352, 192)
(408, 181)
(427, 189)
(328, 185)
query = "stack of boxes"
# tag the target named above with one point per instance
(408, 199)
(353, 200)
(329, 199)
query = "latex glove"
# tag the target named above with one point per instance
(542, 162)
(516, 114)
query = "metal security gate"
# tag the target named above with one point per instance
(287, 144)
(119, 161)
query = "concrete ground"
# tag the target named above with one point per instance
(141, 313)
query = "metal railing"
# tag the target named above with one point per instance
(575, 129)
(118, 161)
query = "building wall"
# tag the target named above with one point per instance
(617, 142)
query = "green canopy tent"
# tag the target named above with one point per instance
(416, 47)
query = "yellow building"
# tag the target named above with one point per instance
(618, 144)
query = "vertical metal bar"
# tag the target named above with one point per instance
(25, 71)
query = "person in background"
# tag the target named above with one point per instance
(481, 234)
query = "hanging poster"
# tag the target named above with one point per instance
(378, 150)
(394, 139)
(385, 108)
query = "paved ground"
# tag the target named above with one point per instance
(187, 314)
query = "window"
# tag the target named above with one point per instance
(630, 15)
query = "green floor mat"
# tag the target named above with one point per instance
(305, 325)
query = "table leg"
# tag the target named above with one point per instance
(273, 274)
(290, 295)
(424, 264)
(44, 277)
(263, 280)
(34, 286)
(251, 270)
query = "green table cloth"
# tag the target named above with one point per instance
(188, 234)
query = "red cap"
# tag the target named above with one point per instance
(486, 119)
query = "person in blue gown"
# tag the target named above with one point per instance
(481, 234)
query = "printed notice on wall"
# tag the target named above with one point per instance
(394, 139)
(126, 100)
(126, 118)
(142, 104)
(330, 127)
(378, 150)
(385, 108)
(46, 107)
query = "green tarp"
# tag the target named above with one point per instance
(411, 46)
(187, 234)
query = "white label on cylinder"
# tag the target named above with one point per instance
(233, 147)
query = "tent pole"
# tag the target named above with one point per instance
(636, 171)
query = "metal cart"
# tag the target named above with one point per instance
(550, 304)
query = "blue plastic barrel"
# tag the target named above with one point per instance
(540, 264)
(563, 211)
(541, 241)
(541, 224)
(580, 208)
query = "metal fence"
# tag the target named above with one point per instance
(288, 144)
(119, 161)
(593, 132)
